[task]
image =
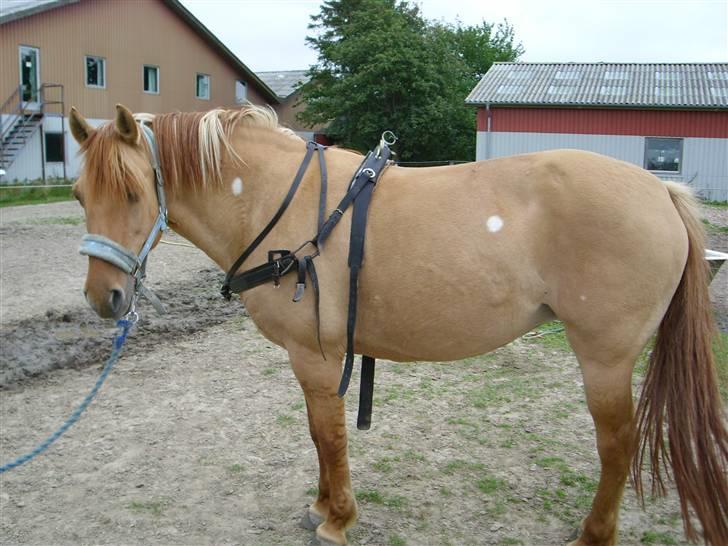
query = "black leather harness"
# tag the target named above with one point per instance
(282, 262)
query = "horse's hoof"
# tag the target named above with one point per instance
(324, 542)
(311, 520)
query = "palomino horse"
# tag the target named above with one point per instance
(459, 260)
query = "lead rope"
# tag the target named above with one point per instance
(124, 325)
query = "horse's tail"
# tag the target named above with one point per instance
(681, 393)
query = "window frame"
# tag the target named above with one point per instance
(85, 71)
(678, 172)
(197, 89)
(159, 84)
(62, 141)
(245, 94)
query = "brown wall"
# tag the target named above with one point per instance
(287, 111)
(128, 34)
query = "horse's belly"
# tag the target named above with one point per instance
(470, 316)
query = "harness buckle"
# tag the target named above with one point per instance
(275, 257)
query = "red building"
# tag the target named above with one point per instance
(671, 119)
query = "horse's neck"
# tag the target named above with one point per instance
(223, 219)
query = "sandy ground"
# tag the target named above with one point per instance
(199, 436)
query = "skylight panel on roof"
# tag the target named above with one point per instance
(667, 76)
(720, 75)
(520, 74)
(667, 91)
(616, 75)
(612, 90)
(567, 75)
(508, 89)
(719, 92)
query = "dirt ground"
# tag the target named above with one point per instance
(199, 436)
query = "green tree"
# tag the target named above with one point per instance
(381, 65)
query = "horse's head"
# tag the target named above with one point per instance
(117, 190)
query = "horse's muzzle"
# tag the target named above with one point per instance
(110, 302)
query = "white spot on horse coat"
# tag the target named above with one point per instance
(494, 224)
(582, 297)
(237, 186)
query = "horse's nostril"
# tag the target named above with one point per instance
(116, 300)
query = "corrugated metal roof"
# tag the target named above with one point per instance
(10, 10)
(686, 85)
(284, 83)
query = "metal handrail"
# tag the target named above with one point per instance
(20, 120)
(10, 98)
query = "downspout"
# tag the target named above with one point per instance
(488, 127)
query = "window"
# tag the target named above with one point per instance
(202, 86)
(151, 79)
(95, 71)
(663, 154)
(241, 92)
(54, 147)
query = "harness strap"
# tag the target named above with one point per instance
(226, 289)
(324, 186)
(356, 259)
(366, 393)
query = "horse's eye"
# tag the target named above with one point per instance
(77, 196)
(132, 197)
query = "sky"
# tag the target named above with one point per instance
(270, 34)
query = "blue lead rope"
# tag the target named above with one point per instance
(124, 326)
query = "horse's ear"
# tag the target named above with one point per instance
(125, 125)
(80, 129)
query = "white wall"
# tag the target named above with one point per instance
(27, 165)
(705, 160)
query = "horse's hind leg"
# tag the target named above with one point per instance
(607, 382)
(335, 507)
(317, 512)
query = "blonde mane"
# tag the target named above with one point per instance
(192, 147)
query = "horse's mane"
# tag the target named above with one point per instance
(192, 146)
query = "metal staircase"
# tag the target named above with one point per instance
(19, 123)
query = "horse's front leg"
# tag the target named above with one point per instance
(335, 507)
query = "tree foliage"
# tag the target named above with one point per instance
(381, 65)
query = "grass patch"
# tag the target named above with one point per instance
(720, 350)
(236, 468)
(155, 507)
(10, 197)
(490, 485)
(550, 335)
(713, 228)
(716, 204)
(653, 537)
(269, 371)
(458, 465)
(396, 540)
(375, 497)
(285, 420)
